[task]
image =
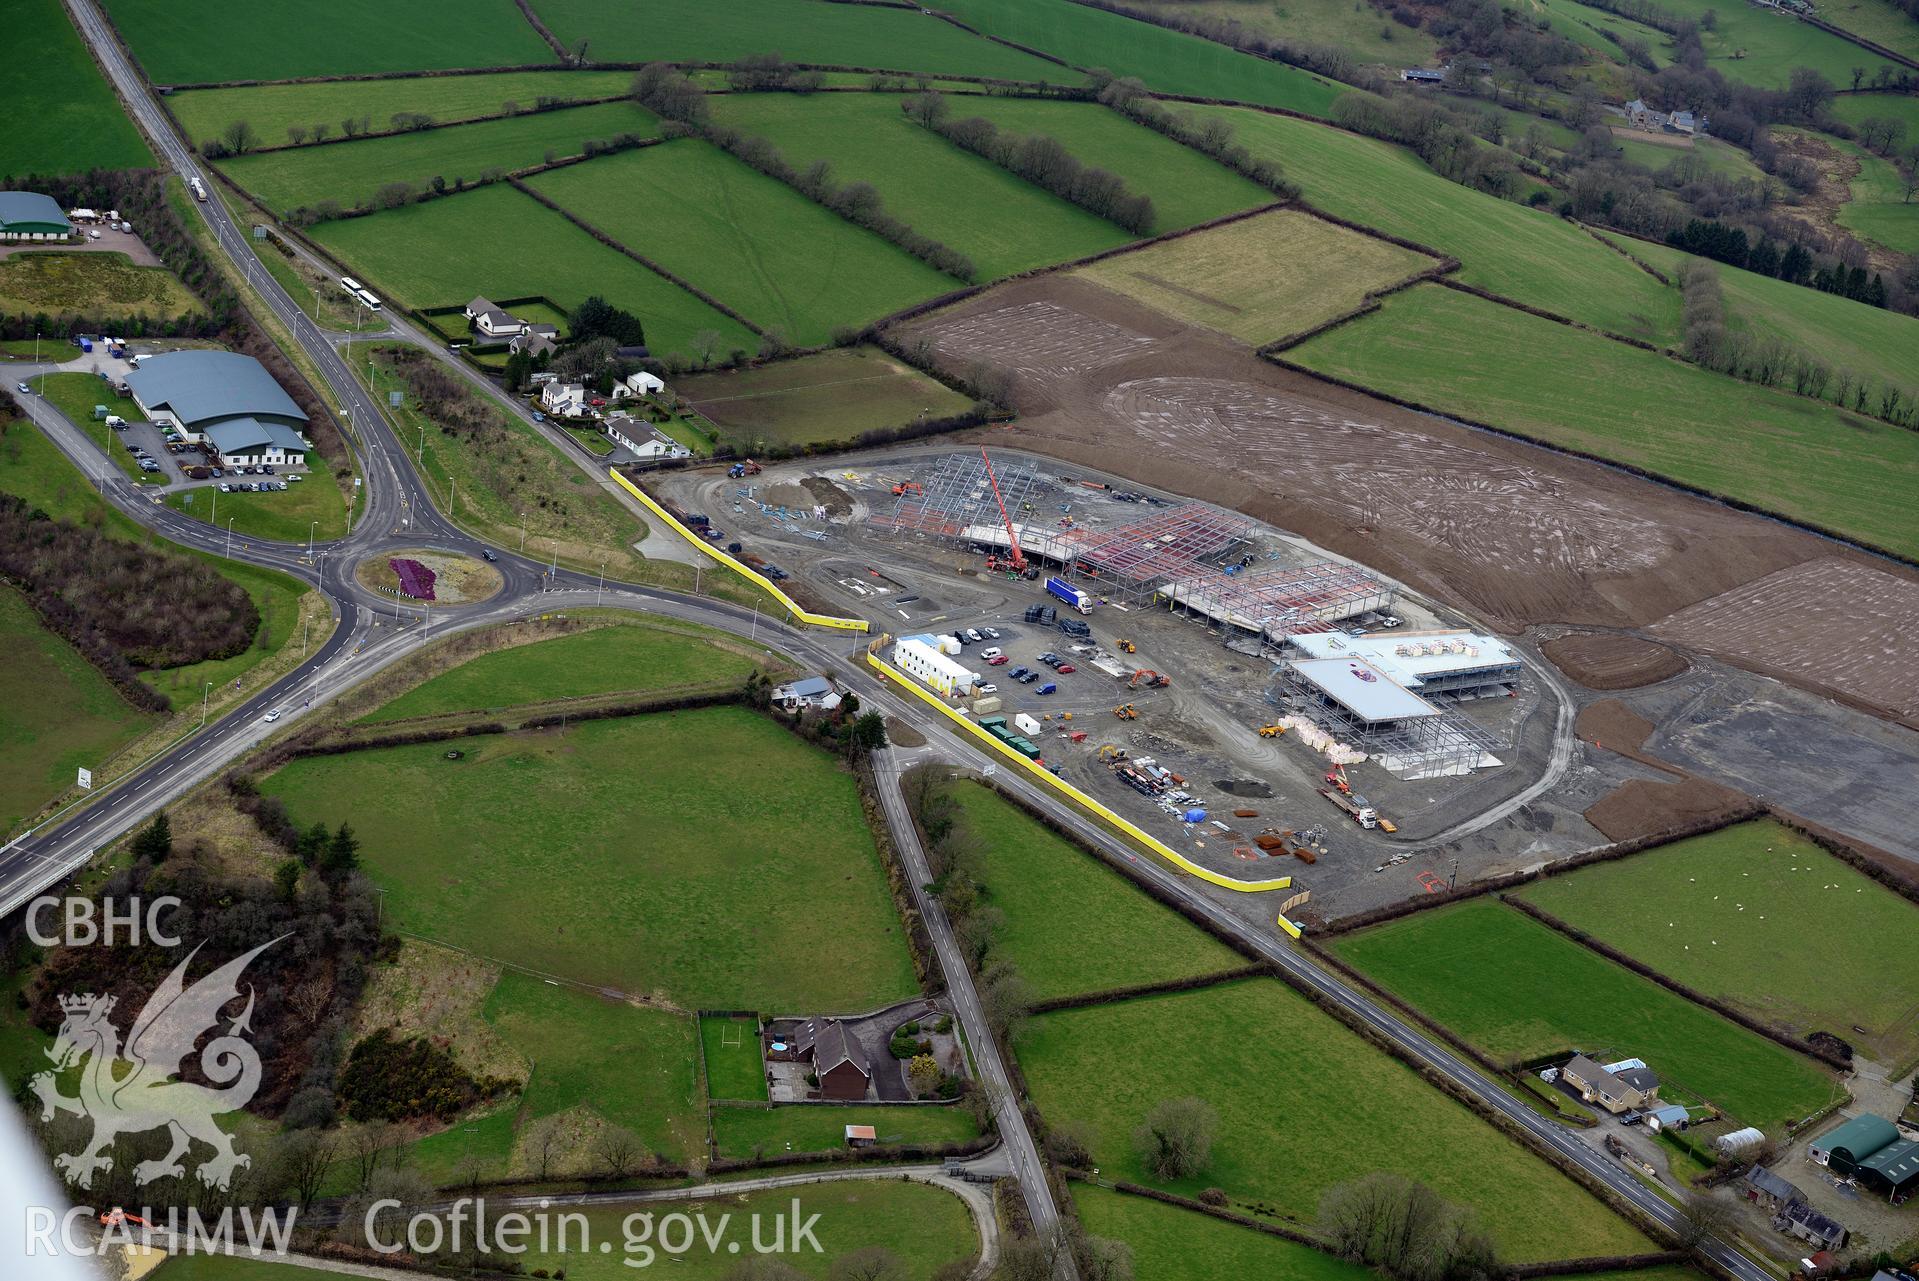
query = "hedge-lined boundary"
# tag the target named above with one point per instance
(1601, 854)
(540, 29)
(1221, 1213)
(1632, 258)
(1368, 304)
(638, 257)
(433, 126)
(1164, 987)
(1557, 319)
(437, 73)
(881, 1154)
(1603, 1263)
(1892, 877)
(1630, 469)
(918, 940)
(1723, 1010)
(1340, 966)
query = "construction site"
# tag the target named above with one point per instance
(1230, 687)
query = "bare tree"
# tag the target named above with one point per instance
(240, 137)
(543, 1142)
(619, 1152)
(367, 1144)
(1703, 1216)
(1403, 1228)
(296, 134)
(874, 1263)
(1176, 1139)
(307, 1158)
(1103, 1259)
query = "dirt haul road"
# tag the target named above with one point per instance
(1514, 533)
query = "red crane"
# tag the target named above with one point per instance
(1019, 557)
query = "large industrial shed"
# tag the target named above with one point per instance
(1871, 1150)
(28, 215)
(226, 400)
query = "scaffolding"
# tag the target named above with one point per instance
(1440, 745)
(1134, 560)
(957, 496)
(1279, 601)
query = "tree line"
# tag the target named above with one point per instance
(1041, 160)
(124, 606)
(1209, 135)
(675, 97)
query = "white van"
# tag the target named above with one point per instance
(114, 420)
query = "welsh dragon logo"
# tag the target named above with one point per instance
(130, 1090)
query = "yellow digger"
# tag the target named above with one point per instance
(1126, 712)
(1271, 731)
(1127, 647)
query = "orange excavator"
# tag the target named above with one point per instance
(1016, 559)
(908, 487)
(1149, 678)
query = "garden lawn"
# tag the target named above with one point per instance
(1260, 279)
(611, 659)
(735, 1071)
(1171, 1244)
(1186, 187)
(743, 1133)
(1454, 353)
(64, 118)
(95, 285)
(828, 398)
(1873, 343)
(504, 244)
(57, 712)
(1304, 1104)
(801, 30)
(752, 242)
(657, 855)
(217, 40)
(1749, 915)
(312, 507)
(1117, 937)
(1005, 225)
(1519, 990)
(631, 1064)
(1170, 61)
(272, 109)
(352, 172)
(1513, 251)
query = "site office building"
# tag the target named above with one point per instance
(920, 658)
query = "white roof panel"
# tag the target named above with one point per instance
(1363, 689)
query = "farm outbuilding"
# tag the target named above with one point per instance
(1844, 1147)
(28, 215)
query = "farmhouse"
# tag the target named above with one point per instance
(1612, 1091)
(223, 399)
(568, 400)
(646, 442)
(537, 340)
(839, 1060)
(492, 321)
(28, 215)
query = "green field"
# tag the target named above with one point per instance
(1224, 278)
(1519, 990)
(1038, 879)
(1799, 458)
(1186, 187)
(279, 39)
(1876, 20)
(821, 399)
(632, 1065)
(1304, 1104)
(56, 713)
(1169, 61)
(629, 854)
(1879, 345)
(76, 396)
(1369, 36)
(1749, 915)
(504, 244)
(743, 1133)
(606, 660)
(800, 30)
(1591, 27)
(1761, 47)
(65, 118)
(1879, 210)
(271, 109)
(1005, 225)
(736, 1071)
(1712, 155)
(224, 1267)
(1517, 252)
(1171, 1244)
(1856, 107)
(752, 242)
(351, 172)
(311, 508)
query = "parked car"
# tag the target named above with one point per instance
(990, 633)
(1049, 658)
(1029, 678)
(997, 660)
(989, 688)
(296, 476)
(1047, 688)
(990, 654)
(973, 636)
(1019, 673)
(1065, 669)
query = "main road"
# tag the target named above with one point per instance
(399, 510)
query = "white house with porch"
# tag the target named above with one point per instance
(567, 400)
(644, 440)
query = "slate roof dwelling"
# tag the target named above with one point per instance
(839, 1060)
(28, 215)
(1422, 76)
(1769, 1190)
(1608, 1089)
(534, 344)
(1802, 1221)
(492, 321)
(1642, 1079)
(223, 398)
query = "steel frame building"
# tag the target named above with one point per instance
(1434, 746)
(1277, 601)
(958, 494)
